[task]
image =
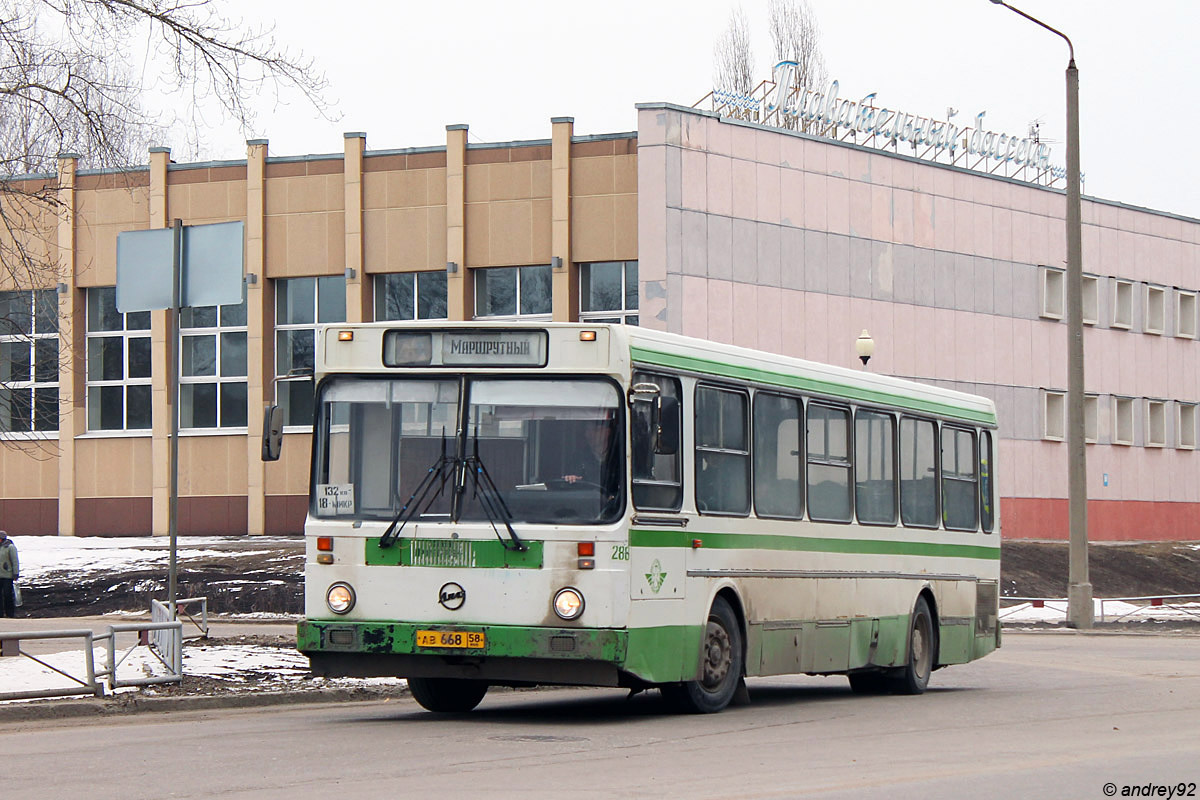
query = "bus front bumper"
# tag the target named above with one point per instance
(506, 654)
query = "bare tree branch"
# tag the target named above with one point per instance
(795, 36)
(733, 61)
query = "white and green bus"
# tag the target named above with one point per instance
(575, 504)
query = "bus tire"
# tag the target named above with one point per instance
(447, 695)
(913, 677)
(722, 659)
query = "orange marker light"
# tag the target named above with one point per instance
(587, 548)
(587, 336)
(697, 543)
(324, 558)
(345, 336)
(325, 543)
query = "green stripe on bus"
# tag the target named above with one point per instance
(457, 553)
(758, 541)
(825, 387)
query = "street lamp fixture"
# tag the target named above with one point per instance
(864, 345)
(1079, 589)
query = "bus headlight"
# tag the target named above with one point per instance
(340, 598)
(568, 603)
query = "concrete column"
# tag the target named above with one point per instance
(460, 302)
(72, 384)
(358, 288)
(566, 277)
(260, 341)
(160, 360)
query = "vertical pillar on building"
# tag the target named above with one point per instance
(72, 387)
(358, 288)
(160, 359)
(260, 323)
(566, 278)
(460, 304)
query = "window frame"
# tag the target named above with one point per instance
(1122, 307)
(746, 455)
(540, 316)
(125, 382)
(848, 465)
(1154, 321)
(983, 435)
(1185, 425)
(1123, 407)
(943, 476)
(1054, 415)
(1090, 290)
(217, 331)
(620, 315)
(893, 417)
(1185, 297)
(1053, 292)
(801, 458)
(937, 470)
(1156, 423)
(279, 285)
(39, 300)
(379, 288)
(679, 485)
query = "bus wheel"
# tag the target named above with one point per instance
(721, 665)
(447, 694)
(913, 677)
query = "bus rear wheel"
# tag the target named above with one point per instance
(447, 694)
(913, 677)
(721, 665)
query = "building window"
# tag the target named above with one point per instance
(118, 364)
(1156, 423)
(1186, 419)
(301, 304)
(722, 452)
(1091, 299)
(1054, 417)
(1091, 418)
(1053, 294)
(875, 468)
(410, 295)
(1156, 310)
(1122, 304)
(828, 438)
(212, 367)
(608, 292)
(510, 292)
(1123, 420)
(1185, 314)
(960, 505)
(778, 491)
(28, 361)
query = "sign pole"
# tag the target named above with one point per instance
(173, 393)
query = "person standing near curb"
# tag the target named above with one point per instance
(10, 570)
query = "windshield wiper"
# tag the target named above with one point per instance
(490, 499)
(438, 473)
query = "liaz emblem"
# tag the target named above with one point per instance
(655, 576)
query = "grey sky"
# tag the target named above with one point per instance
(402, 72)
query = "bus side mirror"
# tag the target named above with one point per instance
(666, 426)
(272, 433)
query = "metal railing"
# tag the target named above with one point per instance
(95, 681)
(1105, 611)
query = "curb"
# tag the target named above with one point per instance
(121, 704)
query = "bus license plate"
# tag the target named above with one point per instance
(468, 640)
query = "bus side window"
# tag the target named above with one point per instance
(875, 468)
(918, 473)
(778, 490)
(985, 481)
(828, 437)
(960, 496)
(657, 484)
(722, 451)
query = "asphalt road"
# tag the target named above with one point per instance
(1050, 715)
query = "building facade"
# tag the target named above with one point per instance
(709, 227)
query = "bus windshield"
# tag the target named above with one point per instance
(552, 448)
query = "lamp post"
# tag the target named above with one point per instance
(1079, 588)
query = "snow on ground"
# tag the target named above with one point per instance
(257, 668)
(1055, 611)
(42, 555)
